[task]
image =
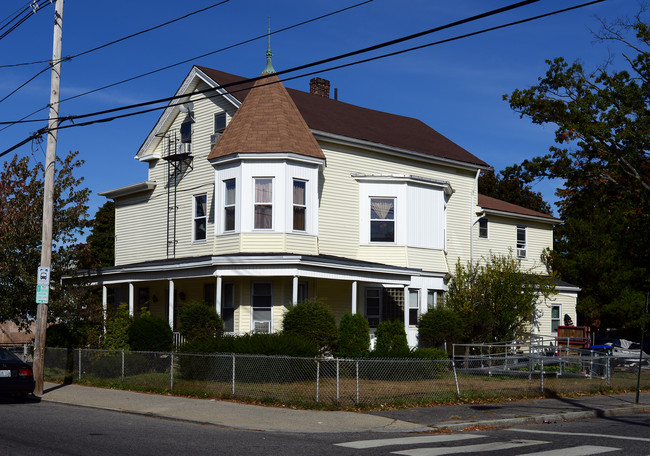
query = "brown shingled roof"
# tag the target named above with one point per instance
(487, 202)
(267, 121)
(344, 119)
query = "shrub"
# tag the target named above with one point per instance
(312, 319)
(278, 344)
(197, 321)
(62, 336)
(354, 336)
(428, 353)
(149, 333)
(391, 340)
(117, 327)
(439, 325)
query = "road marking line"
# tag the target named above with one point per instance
(493, 446)
(583, 434)
(584, 450)
(409, 440)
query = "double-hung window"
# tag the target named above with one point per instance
(229, 204)
(555, 318)
(521, 241)
(200, 217)
(262, 306)
(219, 122)
(483, 228)
(373, 306)
(228, 306)
(414, 307)
(263, 217)
(382, 219)
(299, 204)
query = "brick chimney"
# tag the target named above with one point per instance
(320, 87)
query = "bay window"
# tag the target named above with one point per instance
(229, 206)
(263, 214)
(299, 204)
(382, 219)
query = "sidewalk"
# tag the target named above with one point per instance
(253, 417)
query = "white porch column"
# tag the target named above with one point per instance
(104, 304)
(294, 291)
(171, 304)
(131, 298)
(354, 297)
(423, 300)
(217, 292)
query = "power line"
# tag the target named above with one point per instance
(25, 15)
(88, 51)
(188, 60)
(225, 86)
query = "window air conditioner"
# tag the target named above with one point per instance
(214, 138)
(521, 253)
(184, 148)
(262, 326)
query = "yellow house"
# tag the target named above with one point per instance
(258, 196)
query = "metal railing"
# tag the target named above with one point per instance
(281, 379)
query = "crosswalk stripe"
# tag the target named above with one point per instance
(409, 440)
(494, 446)
(582, 434)
(584, 450)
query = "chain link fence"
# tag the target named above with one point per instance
(290, 380)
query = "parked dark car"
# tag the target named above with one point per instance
(16, 376)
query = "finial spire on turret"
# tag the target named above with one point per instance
(268, 69)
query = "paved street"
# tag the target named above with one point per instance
(52, 429)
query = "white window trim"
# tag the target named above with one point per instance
(559, 318)
(522, 253)
(195, 218)
(365, 304)
(414, 304)
(257, 282)
(255, 203)
(214, 122)
(370, 220)
(225, 205)
(305, 206)
(487, 228)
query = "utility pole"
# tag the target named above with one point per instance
(48, 203)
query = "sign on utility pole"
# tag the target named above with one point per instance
(48, 203)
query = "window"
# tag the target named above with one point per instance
(228, 306)
(200, 217)
(263, 203)
(262, 306)
(382, 219)
(219, 122)
(302, 291)
(143, 299)
(555, 318)
(483, 228)
(299, 204)
(414, 307)
(521, 242)
(373, 306)
(186, 129)
(229, 205)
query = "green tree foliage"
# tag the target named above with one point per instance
(314, 320)
(391, 340)
(101, 240)
(440, 325)
(118, 323)
(602, 141)
(495, 297)
(198, 321)
(354, 336)
(150, 333)
(507, 186)
(21, 206)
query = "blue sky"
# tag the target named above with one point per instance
(456, 87)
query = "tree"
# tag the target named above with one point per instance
(603, 140)
(21, 206)
(508, 186)
(101, 240)
(496, 298)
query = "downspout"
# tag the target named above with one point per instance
(471, 216)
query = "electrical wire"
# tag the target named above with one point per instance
(124, 38)
(225, 86)
(189, 60)
(26, 14)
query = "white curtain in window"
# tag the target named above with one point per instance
(381, 207)
(298, 192)
(263, 190)
(230, 192)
